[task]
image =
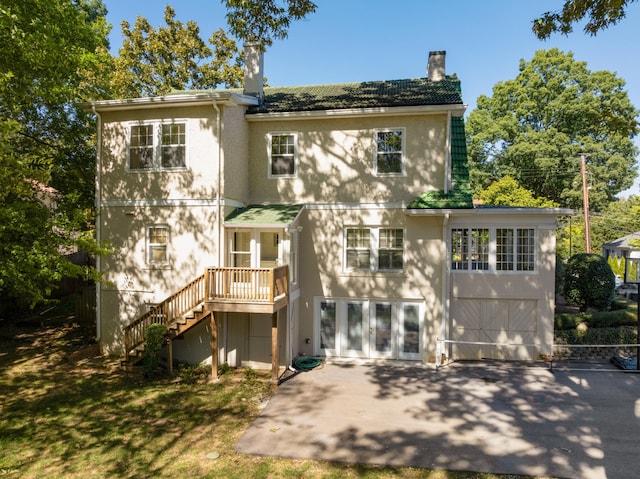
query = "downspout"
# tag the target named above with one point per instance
(98, 201)
(218, 188)
(214, 103)
(447, 159)
(445, 280)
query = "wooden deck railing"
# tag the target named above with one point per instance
(248, 285)
(261, 285)
(166, 312)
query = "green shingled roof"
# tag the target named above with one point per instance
(373, 94)
(263, 215)
(459, 197)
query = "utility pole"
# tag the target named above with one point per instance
(585, 202)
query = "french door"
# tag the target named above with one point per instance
(369, 329)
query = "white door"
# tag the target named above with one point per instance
(354, 329)
(328, 334)
(382, 331)
(369, 329)
(410, 331)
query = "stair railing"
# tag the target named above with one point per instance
(166, 312)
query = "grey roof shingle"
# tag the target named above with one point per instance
(371, 94)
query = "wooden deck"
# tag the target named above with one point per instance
(249, 290)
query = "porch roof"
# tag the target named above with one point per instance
(263, 216)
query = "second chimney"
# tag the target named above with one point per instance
(435, 66)
(254, 70)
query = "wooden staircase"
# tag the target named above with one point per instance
(179, 313)
(253, 290)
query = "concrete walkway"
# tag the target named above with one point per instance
(485, 417)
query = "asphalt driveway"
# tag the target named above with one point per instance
(481, 416)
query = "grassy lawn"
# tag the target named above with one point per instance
(67, 413)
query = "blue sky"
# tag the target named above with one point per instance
(360, 40)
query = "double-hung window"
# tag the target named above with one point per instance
(374, 249)
(157, 245)
(390, 152)
(390, 248)
(173, 145)
(141, 147)
(156, 146)
(283, 152)
(358, 249)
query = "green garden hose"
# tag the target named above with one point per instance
(307, 363)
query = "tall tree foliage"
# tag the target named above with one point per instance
(263, 21)
(174, 57)
(507, 192)
(600, 14)
(535, 127)
(47, 51)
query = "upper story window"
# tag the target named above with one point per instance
(173, 145)
(141, 147)
(390, 152)
(157, 146)
(374, 249)
(283, 154)
(495, 249)
(157, 245)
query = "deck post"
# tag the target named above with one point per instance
(275, 364)
(214, 347)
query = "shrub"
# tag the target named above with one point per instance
(589, 282)
(193, 373)
(154, 337)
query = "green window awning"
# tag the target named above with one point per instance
(263, 216)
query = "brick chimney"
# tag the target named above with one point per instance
(435, 66)
(254, 70)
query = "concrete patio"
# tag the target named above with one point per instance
(581, 420)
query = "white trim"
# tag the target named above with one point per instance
(270, 136)
(374, 249)
(456, 110)
(171, 202)
(368, 308)
(493, 250)
(355, 206)
(488, 210)
(193, 99)
(403, 152)
(156, 147)
(149, 245)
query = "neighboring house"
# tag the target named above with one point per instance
(326, 220)
(621, 247)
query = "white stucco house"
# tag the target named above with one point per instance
(326, 220)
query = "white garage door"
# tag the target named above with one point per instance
(512, 321)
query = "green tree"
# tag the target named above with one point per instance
(264, 21)
(589, 282)
(535, 127)
(174, 57)
(507, 192)
(50, 56)
(600, 14)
